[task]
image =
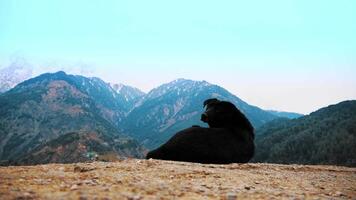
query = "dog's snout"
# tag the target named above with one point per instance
(204, 117)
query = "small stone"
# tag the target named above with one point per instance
(74, 187)
(26, 194)
(339, 194)
(77, 169)
(90, 182)
(206, 173)
(247, 187)
(231, 196)
(82, 169)
(62, 188)
(83, 198)
(136, 197)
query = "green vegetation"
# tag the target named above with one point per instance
(327, 136)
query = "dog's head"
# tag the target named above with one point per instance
(223, 114)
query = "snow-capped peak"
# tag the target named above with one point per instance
(14, 74)
(129, 93)
(178, 86)
(117, 86)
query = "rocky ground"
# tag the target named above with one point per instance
(152, 179)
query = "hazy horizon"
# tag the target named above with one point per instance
(295, 56)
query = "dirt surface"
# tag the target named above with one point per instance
(152, 179)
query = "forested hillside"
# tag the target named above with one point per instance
(327, 136)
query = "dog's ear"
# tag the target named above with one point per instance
(209, 101)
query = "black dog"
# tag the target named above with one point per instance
(229, 138)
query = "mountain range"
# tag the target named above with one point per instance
(50, 106)
(57, 117)
(43, 109)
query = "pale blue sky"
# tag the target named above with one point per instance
(277, 54)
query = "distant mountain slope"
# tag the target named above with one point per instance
(51, 105)
(178, 105)
(289, 115)
(131, 94)
(111, 105)
(81, 147)
(327, 136)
